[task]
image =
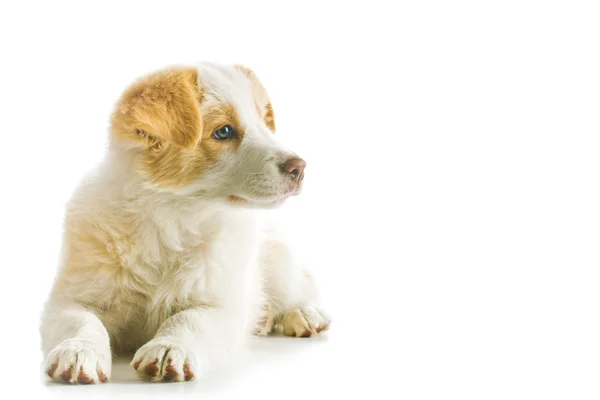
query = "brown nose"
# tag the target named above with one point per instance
(294, 167)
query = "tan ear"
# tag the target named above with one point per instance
(162, 107)
(261, 97)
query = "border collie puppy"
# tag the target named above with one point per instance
(167, 253)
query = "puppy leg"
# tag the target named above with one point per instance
(185, 343)
(76, 344)
(292, 299)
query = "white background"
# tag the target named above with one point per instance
(451, 209)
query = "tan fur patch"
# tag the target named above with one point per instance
(101, 376)
(269, 117)
(52, 370)
(173, 166)
(162, 114)
(187, 372)
(161, 107)
(261, 97)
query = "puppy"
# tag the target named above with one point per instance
(167, 253)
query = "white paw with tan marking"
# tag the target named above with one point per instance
(164, 359)
(304, 322)
(79, 361)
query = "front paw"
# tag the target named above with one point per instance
(304, 322)
(78, 361)
(164, 359)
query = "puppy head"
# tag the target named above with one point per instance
(207, 131)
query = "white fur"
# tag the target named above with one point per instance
(193, 274)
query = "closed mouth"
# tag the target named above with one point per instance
(236, 199)
(263, 201)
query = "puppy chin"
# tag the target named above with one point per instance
(268, 203)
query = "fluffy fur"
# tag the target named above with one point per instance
(167, 253)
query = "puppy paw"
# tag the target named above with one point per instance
(266, 323)
(304, 322)
(163, 359)
(78, 361)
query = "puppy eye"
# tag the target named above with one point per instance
(224, 132)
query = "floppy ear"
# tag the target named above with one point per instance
(261, 97)
(159, 108)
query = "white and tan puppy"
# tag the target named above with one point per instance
(167, 252)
